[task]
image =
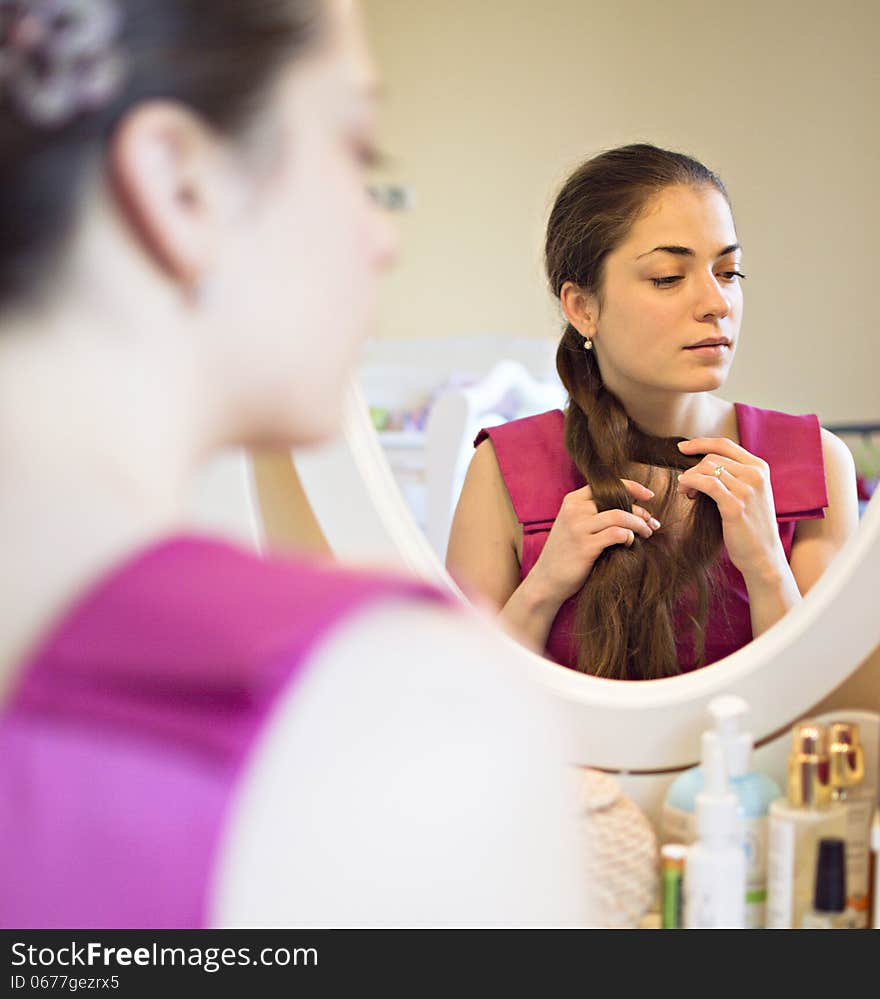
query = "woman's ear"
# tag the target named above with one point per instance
(580, 308)
(166, 171)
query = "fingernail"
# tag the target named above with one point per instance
(651, 491)
(682, 443)
(654, 523)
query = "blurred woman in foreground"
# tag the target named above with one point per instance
(192, 735)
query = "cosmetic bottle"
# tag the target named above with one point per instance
(829, 910)
(672, 859)
(753, 789)
(847, 767)
(797, 823)
(715, 866)
(875, 867)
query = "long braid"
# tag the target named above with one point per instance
(625, 610)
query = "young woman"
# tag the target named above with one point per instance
(654, 527)
(190, 735)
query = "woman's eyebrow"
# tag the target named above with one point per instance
(686, 251)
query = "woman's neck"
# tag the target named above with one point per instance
(679, 414)
(99, 441)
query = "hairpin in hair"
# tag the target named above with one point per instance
(59, 58)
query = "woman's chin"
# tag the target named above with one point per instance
(706, 381)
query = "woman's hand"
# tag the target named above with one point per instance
(579, 536)
(744, 496)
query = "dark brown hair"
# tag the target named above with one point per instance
(625, 611)
(220, 57)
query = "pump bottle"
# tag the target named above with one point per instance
(715, 868)
(754, 791)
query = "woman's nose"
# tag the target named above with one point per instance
(713, 303)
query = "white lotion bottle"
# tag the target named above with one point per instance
(715, 868)
(797, 823)
(754, 791)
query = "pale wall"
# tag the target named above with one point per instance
(490, 103)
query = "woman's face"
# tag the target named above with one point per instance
(672, 284)
(301, 269)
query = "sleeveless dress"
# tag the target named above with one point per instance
(538, 472)
(127, 730)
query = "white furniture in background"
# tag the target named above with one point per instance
(453, 423)
(412, 375)
(405, 454)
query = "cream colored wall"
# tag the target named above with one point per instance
(489, 103)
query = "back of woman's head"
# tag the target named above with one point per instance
(70, 70)
(627, 609)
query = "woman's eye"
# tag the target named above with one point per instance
(665, 282)
(731, 275)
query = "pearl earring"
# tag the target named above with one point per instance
(588, 343)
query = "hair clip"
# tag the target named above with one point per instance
(58, 58)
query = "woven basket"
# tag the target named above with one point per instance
(622, 853)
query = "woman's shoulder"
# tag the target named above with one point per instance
(534, 463)
(539, 428)
(793, 445)
(260, 601)
(201, 610)
(798, 429)
(759, 419)
(531, 449)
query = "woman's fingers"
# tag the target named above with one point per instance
(721, 446)
(735, 472)
(623, 520)
(637, 490)
(583, 498)
(739, 479)
(613, 536)
(729, 506)
(646, 515)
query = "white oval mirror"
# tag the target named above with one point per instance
(650, 725)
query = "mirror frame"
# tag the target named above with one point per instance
(653, 725)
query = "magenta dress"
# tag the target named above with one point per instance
(126, 732)
(538, 472)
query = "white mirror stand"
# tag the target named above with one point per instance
(649, 726)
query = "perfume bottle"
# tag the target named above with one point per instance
(847, 771)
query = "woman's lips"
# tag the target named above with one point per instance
(709, 349)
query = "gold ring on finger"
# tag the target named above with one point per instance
(718, 471)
